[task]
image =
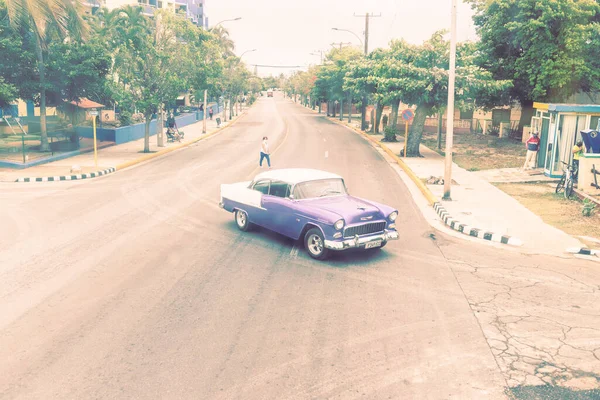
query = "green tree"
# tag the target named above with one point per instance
(329, 82)
(420, 74)
(549, 49)
(46, 21)
(76, 69)
(8, 93)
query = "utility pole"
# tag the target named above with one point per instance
(363, 121)
(450, 117)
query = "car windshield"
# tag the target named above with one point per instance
(320, 188)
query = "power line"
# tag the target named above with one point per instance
(279, 66)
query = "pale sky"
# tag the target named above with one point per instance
(285, 32)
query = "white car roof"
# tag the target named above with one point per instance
(296, 175)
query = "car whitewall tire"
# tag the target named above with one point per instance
(241, 220)
(314, 243)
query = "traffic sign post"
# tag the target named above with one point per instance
(407, 115)
(94, 114)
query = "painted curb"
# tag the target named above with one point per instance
(68, 177)
(472, 231)
(583, 251)
(452, 223)
(132, 162)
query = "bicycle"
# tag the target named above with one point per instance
(566, 181)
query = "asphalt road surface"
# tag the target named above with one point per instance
(136, 285)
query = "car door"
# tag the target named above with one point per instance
(258, 214)
(280, 209)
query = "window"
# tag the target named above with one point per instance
(262, 186)
(594, 122)
(279, 189)
(319, 188)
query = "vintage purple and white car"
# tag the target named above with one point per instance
(311, 205)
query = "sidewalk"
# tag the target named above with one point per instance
(114, 156)
(476, 203)
(479, 204)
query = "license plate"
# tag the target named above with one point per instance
(370, 245)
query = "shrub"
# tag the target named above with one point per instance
(390, 133)
(588, 208)
(125, 118)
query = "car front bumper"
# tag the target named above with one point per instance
(357, 242)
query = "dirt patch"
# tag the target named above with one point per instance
(554, 209)
(475, 152)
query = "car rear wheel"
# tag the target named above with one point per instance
(314, 242)
(241, 220)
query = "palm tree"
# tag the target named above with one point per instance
(44, 19)
(225, 42)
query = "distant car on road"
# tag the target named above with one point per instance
(269, 93)
(311, 205)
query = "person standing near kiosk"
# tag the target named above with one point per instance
(532, 145)
(577, 153)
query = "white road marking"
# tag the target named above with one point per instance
(326, 154)
(294, 252)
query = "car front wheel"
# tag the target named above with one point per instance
(314, 242)
(241, 220)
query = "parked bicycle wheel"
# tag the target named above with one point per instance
(561, 184)
(569, 189)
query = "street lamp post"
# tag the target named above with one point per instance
(247, 51)
(363, 111)
(239, 61)
(227, 20)
(450, 117)
(346, 30)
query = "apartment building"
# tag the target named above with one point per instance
(194, 10)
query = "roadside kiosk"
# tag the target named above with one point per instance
(560, 127)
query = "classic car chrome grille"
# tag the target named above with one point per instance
(364, 229)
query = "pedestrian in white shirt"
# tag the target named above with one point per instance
(264, 152)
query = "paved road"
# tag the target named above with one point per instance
(137, 285)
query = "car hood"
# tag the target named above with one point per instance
(352, 209)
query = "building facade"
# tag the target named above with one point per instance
(194, 10)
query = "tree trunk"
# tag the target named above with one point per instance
(527, 112)
(147, 133)
(439, 129)
(394, 116)
(42, 73)
(333, 109)
(378, 115)
(341, 110)
(416, 130)
(230, 109)
(320, 105)
(159, 127)
(363, 114)
(350, 108)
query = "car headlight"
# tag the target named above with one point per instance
(339, 224)
(393, 216)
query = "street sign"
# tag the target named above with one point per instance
(407, 114)
(94, 113)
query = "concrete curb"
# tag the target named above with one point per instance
(128, 164)
(68, 177)
(433, 201)
(583, 251)
(472, 231)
